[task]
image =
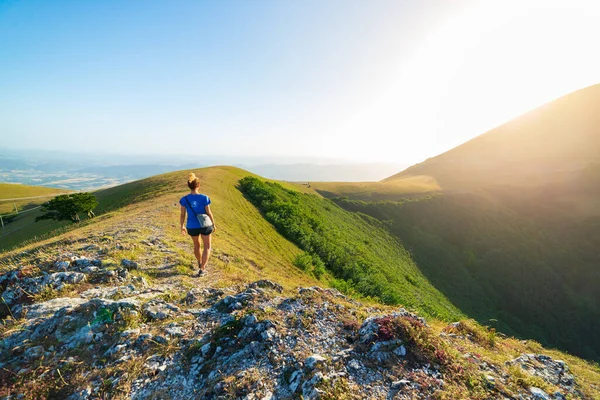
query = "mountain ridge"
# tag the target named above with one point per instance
(536, 148)
(110, 310)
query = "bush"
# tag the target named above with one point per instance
(69, 206)
(357, 250)
(303, 261)
(318, 267)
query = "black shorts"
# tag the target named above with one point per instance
(200, 231)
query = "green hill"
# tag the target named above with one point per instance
(391, 275)
(24, 196)
(18, 207)
(373, 191)
(512, 236)
(265, 230)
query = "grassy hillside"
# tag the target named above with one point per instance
(547, 145)
(17, 192)
(512, 236)
(140, 223)
(246, 245)
(374, 191)
(529, 271)
(20, 227)
(358, 250)
(13, 190)
(392, 276)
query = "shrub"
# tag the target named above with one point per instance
(318, 267)
(482, 335)
(303, 261)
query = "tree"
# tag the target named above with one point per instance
(69, 206)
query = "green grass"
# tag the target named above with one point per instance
(524, 268)
(374, 191)
(253, 247)
(15, 190)
(256, 250)
(356, 249)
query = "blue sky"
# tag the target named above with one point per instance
(346, 79)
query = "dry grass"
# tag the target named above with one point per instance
(375, 191)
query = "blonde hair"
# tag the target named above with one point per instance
(193, 181)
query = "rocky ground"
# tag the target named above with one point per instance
(80, 320)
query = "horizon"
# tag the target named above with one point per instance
(388, 82)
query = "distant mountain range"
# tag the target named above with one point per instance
(93, 171)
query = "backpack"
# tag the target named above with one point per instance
(203, 219)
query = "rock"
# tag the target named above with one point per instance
(552, 371)
(400, 351)
(174, 330)
(369, 330)
(266, 284)
(62, 265)
(193, 296)
(295, 380)
(313, 361)
(538, 393)
(382, 351)
(238, 301)
(205, 349)
(354, 364)
(84, 335)
(109, 292)
(158, 309)
(309, 391)
(397, 385)
(250, 320)
(128, 264)
(51, 307)
(33, 353)
(80, 262)
(84, 394)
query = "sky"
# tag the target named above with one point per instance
(356, 80)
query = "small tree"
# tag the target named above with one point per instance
(69, 206)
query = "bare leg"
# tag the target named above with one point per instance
(206, 251)
(196, 240)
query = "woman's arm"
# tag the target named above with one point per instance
(207, 210)
(182, 220)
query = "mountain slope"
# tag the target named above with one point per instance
(110, 310)
(512, 236)
(550, 144)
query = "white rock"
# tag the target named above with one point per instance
(538, 393)
(314, 360)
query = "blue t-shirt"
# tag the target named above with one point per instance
(198, 203)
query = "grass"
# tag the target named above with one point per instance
(252, 247)
(246, 248)
(358, 250)
(375, 191)
(15, 190)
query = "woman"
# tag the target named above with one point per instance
(194, 204)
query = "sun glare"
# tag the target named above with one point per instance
(482, 67)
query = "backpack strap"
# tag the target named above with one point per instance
(188, 202)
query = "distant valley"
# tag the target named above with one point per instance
(90, 172)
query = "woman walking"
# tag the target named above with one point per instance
(200, 221)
